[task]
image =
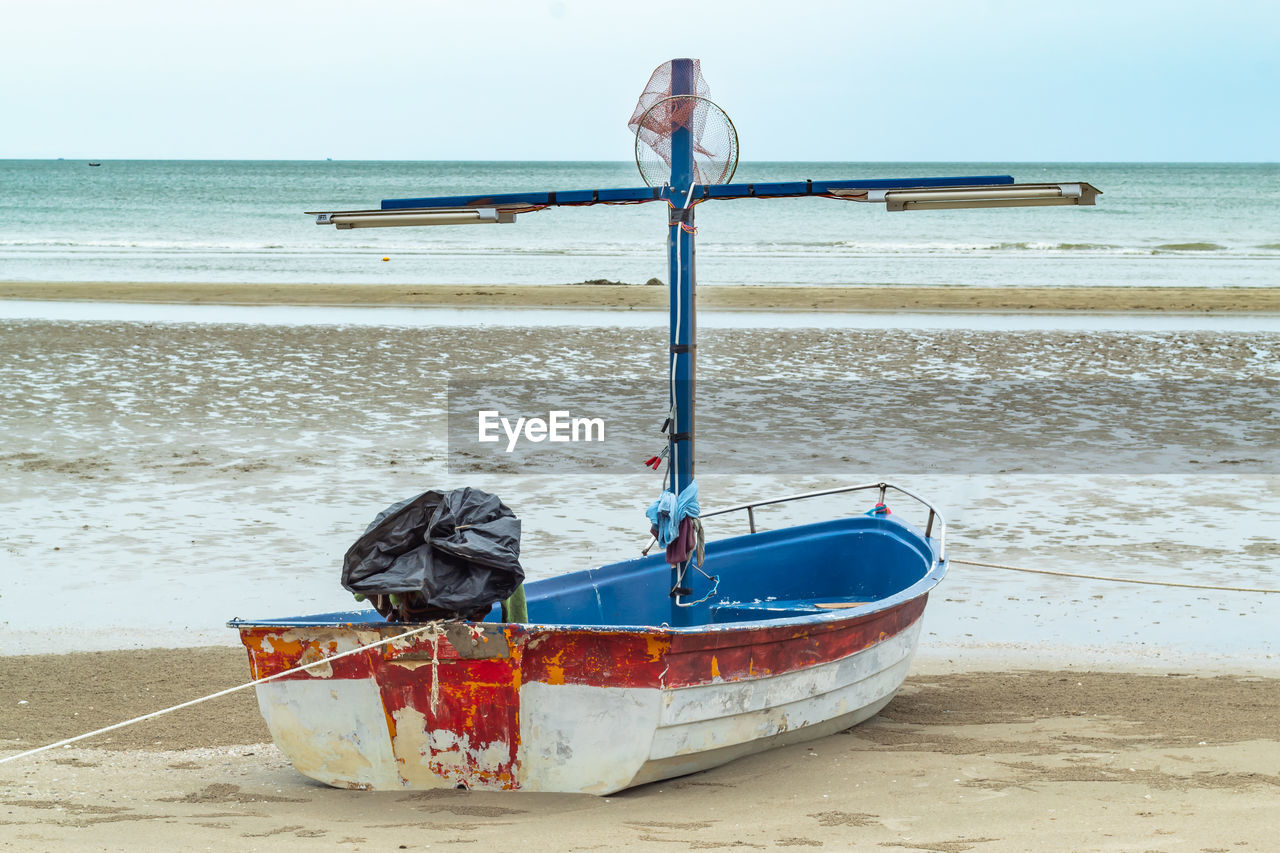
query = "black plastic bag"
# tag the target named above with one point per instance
(437, 556)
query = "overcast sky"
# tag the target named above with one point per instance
(1121, 80)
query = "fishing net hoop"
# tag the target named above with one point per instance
(715, 139)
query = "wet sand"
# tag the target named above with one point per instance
(590, 295)
(159, 479)
(961, 761)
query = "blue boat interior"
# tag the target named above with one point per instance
(810, 569)
(768, 575)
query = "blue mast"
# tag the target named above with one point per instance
(683, 322)
(680, 253)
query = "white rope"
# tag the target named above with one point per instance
(672, 466)
(433, 627)
(688, 195)
(1113, 580)
(434, 639)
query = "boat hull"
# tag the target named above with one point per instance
(569, 709)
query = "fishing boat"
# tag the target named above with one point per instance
(811, 631)
(652, 667)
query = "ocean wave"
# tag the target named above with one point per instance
(1189, 247)
(593, 248)
(849, 247)
(149, 245)
(638, 249)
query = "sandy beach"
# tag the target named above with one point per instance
(236, 462)
(959, 761)
(597, 295)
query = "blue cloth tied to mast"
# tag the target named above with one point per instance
(666, 513)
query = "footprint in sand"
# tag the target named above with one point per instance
(220, 792)
(845, 819)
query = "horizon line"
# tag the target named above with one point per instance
(169, 159)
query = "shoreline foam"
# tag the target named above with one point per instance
(959, 298)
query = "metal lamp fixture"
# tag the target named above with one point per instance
(952, 198)
(420, 216)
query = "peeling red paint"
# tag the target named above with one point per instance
(598, 658)
(478, 702)
(747, 653)
(604, 658)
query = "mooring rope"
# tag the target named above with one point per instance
(432, 627)
(1113, 580)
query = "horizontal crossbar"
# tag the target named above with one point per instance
(701, 192)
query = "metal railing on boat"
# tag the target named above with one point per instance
(883, 488)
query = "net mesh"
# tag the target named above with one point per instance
(659, 114)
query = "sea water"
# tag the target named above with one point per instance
(244, 221)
